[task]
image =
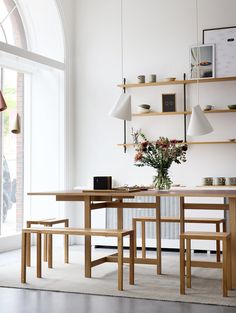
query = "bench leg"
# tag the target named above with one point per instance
(49, 244)
(217, 244)
(66, 244)
(45, 247)
(39, 253)
(182, 266)
(131, 258)
(87, 244)
(135, 236)
(143, 239)
(225, 254)
(28, 246)
(188, 262)
(120, 262)
(23, 256)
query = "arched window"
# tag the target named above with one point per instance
(12, 29)
(32, 82)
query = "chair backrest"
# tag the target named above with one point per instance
(197, 206)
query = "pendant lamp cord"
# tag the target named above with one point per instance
(198, 51)
(122, 38)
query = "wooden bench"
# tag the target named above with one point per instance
(225, 264)
(216, 221)
(88, 232)
(48, 244)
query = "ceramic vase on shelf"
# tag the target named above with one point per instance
(162, 180)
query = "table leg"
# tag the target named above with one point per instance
(87, 244)
(232, 221)
(158, 233)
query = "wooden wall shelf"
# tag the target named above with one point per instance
(188, 142)
(178, 82)
(182, 113)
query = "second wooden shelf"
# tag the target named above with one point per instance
(183, 112)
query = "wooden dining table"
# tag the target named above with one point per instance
(94, 200)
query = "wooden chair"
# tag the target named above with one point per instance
(143, 220)
(190, 206)
(120, 234)
(225, 264)
(48, 256)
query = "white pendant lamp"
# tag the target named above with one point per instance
(122, 108)
(199, 124)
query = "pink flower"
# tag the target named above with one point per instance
(138, 156)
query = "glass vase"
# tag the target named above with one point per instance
(162, 180)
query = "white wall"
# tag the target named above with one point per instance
(157, 36)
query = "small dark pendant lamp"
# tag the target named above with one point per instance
(3, 105)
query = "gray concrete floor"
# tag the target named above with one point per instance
(14, 300)
(34, 301)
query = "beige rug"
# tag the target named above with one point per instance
(206, 283)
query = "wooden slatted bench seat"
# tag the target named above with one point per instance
(48, 244)
(225, 264)
(193, 220)
(120, 234)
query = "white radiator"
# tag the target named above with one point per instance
(169, 207)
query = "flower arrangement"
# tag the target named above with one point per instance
(160, 155)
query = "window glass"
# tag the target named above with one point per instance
(12, 153)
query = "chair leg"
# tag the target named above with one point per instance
(28, 246)
(135, 236)
(131, 258)
(229, 265)
(49, 244)
(188, 262)
(39, 253)
(23, 256)
(66, 245)
(45, 247)
(120, 262)
(182, 266)
(225, 254)
(143, 240)
(217, 244)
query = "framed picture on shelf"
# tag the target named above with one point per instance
(202, 61)
(225, 49)
(168, 102)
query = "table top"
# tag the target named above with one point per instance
(214, 191)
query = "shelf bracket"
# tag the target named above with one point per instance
(185, 109)
(125, 122)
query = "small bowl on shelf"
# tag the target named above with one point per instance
(232, 106)
(208, 107)
(169, 79)
(143, 108)
(232, 139)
